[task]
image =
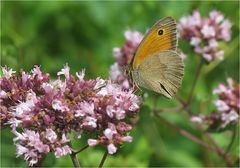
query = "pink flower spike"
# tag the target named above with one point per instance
(58, 152)
(204, 34)
(213, 43)
(110, 111)
(117, 52)
(37, 72)
(85, 108)
(208, 57)
(229, 117)
(133, 36)
(62, 151)
(33, 161)
(7, 72)
(48, 88)
(51, 135)
(90, 121)
(92, 142)
(81, 74)
(64, 139)
(221, 105)
(3, 94)
(99, 83)
(111, 149)
(66, 150)
(196, 119)
(127, 139)
(115, 71)
(216, 16)
(208, 31)
(65, 71)
(58, 105)
(110, 132)
(21, 150)
(195, 41)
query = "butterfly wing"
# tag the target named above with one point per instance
(162, 36)
(161, 72)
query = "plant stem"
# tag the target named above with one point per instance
(74, 158)
(82, 149)
(103, 159)
(194, 82)
(186, 133)
(182, 102)
(220, 151)
(234, 135)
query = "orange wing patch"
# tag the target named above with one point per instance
(162, 36)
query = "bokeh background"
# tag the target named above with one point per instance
(82, 34)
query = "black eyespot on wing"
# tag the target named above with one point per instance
(160, 32)
(163, 87)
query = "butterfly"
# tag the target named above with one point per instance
(156, 64)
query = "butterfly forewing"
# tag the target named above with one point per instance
(161, 37)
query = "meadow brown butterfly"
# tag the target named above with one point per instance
(156, 65)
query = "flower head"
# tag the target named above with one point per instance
(123, 57)
(48, 111)
(205, 33)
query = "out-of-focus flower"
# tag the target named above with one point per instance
(228, 104)
(123, 57)
(47, 112)
(196, 119)
(205, 33)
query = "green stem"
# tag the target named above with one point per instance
(82, 149)
(103, 159)
(234, 135)
(194, 82)
(185, 133)
(74, 158)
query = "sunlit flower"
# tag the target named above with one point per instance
(64, 71)
(7, 72)
(47, 112)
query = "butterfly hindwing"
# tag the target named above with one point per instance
(161, 72)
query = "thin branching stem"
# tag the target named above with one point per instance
(103, 159)
(186, 133)
(234, 135)
(195, 82)
(74, 158)
(82, 149)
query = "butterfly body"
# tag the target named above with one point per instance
(156, 65)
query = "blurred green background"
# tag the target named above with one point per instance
(82, 34)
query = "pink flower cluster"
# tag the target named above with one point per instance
(228, 106)
(204, 34)
(123, 57)
(48, 111)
